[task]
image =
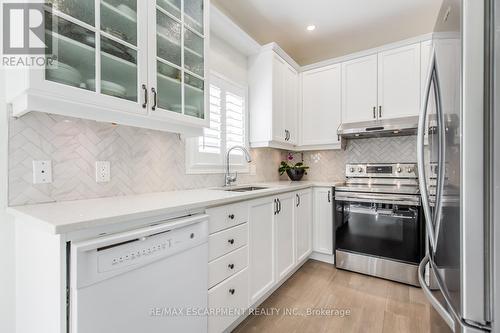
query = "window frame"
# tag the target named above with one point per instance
(195, 163)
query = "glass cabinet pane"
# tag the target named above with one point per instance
(168, 38)
(194, 96)
(83, 10)
(118, 70)
(193, 52)
(119, 18)
(171, 6)
(74, 47)
(169, 87)
(193, 14)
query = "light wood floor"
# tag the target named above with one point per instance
(375, 305)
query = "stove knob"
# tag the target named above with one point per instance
(409, 170)
(399, 170)
(360, 169)
(351, 169)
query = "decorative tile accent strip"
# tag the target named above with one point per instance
(142, 161)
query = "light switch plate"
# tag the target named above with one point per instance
(102, 171)
(42, 172)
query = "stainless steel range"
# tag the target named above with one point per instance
(380, 227)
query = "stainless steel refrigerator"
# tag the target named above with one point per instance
(458, 162)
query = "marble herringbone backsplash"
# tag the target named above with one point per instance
(142, 161)
(330, 165)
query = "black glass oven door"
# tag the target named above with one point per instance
(383, 230)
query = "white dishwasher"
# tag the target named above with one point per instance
(148, 280)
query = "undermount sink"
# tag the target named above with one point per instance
(244, 189)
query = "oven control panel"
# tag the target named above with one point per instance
(395, 170)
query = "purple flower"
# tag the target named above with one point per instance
(290, 157)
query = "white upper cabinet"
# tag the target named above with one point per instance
(382, 86)
(273, 100)
(278, 111)
(399, 82)
(136, 63)
(291, 104)
(359, 89)
(321, 106)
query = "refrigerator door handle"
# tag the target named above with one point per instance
(422, 179)
(447, 317)
(441, 155)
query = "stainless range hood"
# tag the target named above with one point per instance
(379, 128)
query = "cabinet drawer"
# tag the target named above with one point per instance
(227, 216)
(226, 266)
(231, 295)
(226, 241)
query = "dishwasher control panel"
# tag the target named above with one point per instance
(145, 249)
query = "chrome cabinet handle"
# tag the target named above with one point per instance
(230, 241)
(155, 99)
(275, 206)
(230, 266)
(232, 291)
(374, 112)
(145, 89)
(422, 178)
(298, 200)
(448, 318)
(380, 111)
(329, 199)
(231, 216)
(279, 205)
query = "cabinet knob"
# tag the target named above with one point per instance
(231, 216)
(231, 266)
(230, 241)
(232, 291)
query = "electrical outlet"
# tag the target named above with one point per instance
(42, 172)
(102, 171)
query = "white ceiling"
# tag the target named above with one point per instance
(342, 26)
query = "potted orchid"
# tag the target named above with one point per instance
(294, 171)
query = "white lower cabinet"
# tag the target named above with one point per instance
(284, 229)
(274, 239)
(323, 220)
(226, 241)
(261, 247)
(231, 296)
(303, 225)
(226, 266)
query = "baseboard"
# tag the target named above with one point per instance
(328, 258)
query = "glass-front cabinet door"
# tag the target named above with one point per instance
(101, 47)
(177, 69)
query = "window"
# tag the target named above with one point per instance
(228, 120)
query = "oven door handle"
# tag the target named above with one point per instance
(406, 200)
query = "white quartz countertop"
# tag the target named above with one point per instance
(70, 216)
